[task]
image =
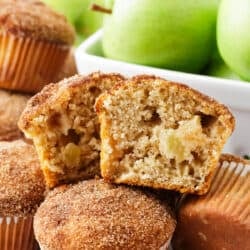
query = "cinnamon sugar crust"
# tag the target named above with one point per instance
(34, 19)
(11, 106)
(97, 215)
(22, 185)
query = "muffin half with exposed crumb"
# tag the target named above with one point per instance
(22, 189)
(96, 215)
(161, 134)
(64, 127)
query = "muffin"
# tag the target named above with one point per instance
(11, 107)
(97, 215)
(161, 134)
(34, 43)
(65, 129)
(21, 191)
(220, 219)
(69, 67)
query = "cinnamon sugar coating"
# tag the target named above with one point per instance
(97, 215)
(11, 107)
(34, 19)
(21, 180)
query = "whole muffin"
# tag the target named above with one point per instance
(11, 107)
(69, 67)
(34, 43)
(22, 189)
(221, 218)
(97, 215)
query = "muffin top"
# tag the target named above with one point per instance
(97, 215)
(21, 180)
(11, 107)
(34, 19)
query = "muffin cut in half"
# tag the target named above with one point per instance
(64, 127)
(161, 134)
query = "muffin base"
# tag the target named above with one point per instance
(27, 64)
(16, 233)
(220, 219)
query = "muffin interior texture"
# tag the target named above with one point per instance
(73, 139)
(66, 130)
(158, 133)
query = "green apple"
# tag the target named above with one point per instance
(233, 36)
(79, 14)
(71, 9)
(172, 34)
(90, 21)
(218, 68)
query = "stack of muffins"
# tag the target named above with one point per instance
(35, 49)
(111, 156)
(136, 140)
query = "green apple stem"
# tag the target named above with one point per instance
(96, 7)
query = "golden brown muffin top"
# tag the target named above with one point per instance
(42, 100)
(142, 80)
(22, 185)
(34, 19)
(11, 107)
(97, 215)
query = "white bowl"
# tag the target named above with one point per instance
(235, 94)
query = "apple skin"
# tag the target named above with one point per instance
(218, 68)
(233, 36)
(177, 34)
(79, 14)
(72, 9)
(90, 21)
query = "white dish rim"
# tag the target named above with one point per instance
(224, 89)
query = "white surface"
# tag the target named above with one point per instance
(235, 94)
